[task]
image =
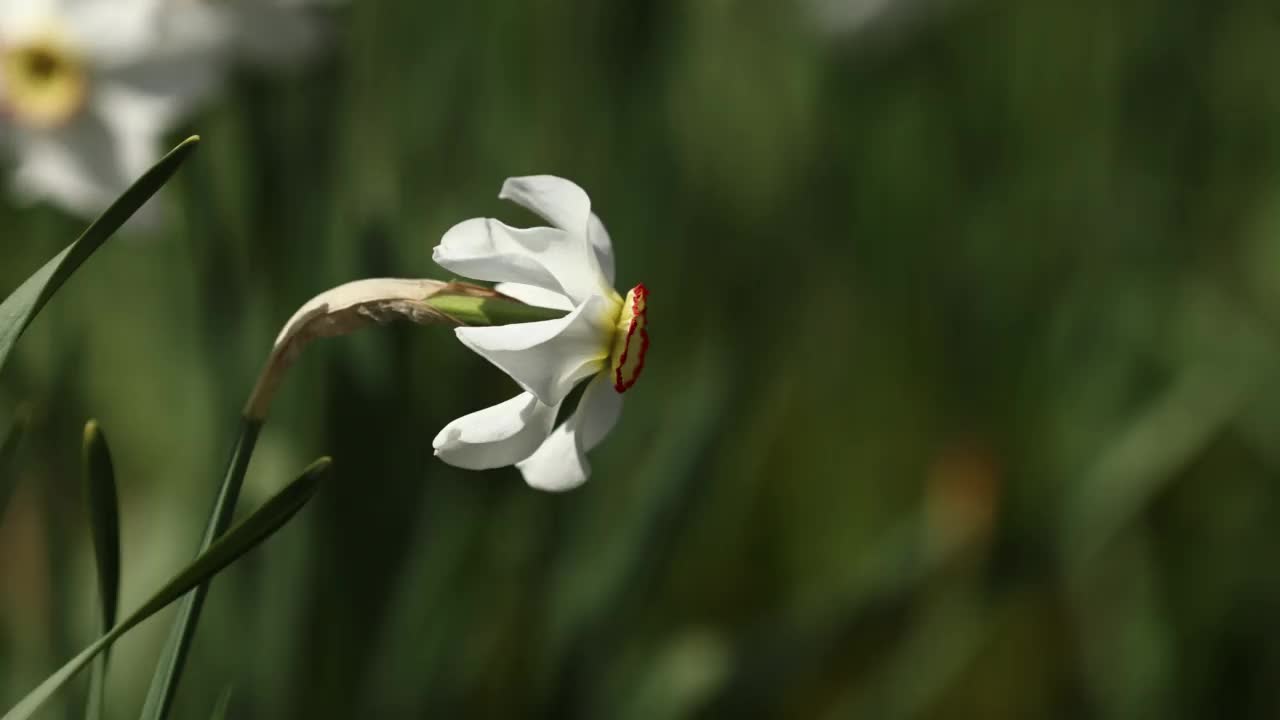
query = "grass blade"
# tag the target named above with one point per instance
(19, 309)
(174, 655)
(259, 526)
(9, 457)
(104, 522)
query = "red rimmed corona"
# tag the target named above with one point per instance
(631, 344)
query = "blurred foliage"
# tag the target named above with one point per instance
(964, 395)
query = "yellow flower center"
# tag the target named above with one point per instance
(631, 341)
(42, 83)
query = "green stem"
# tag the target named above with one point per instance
(169, 669)
(465, 309)
(472, 310)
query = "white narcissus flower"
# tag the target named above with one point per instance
(88, 88)
(602, 340)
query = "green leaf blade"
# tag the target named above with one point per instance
(104, 523)
(262, 524)
(20, 308)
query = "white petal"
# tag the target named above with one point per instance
(175, 54)
(20, 19)
(484, 249)
(496, 436)
(274, 33)
(119, 33)
(597, 412)
(547, 358)
(137, 121)
(107, 33)
(561, 202)
(160, 91)
(85, 165)
(603, 247)
(560, 463)
(534, 295)
(78, 166)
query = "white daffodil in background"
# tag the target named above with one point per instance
(602, 340)
(88, 88)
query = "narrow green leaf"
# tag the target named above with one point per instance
(19, 309)
(164, 682)
(104, 523)
(9, 457)
(259, 526)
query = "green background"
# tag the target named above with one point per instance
(963, 399)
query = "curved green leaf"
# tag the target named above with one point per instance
(104, 523)
(259, 526)
(19, 309)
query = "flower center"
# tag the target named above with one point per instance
(631, 341)
(44, 83)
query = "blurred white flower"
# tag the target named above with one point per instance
(602, 339)
(273, 32)
(88, 88)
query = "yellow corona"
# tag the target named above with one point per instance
(44, 83)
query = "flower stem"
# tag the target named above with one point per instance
(473, 310)
(335, 312)
(168, 670)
